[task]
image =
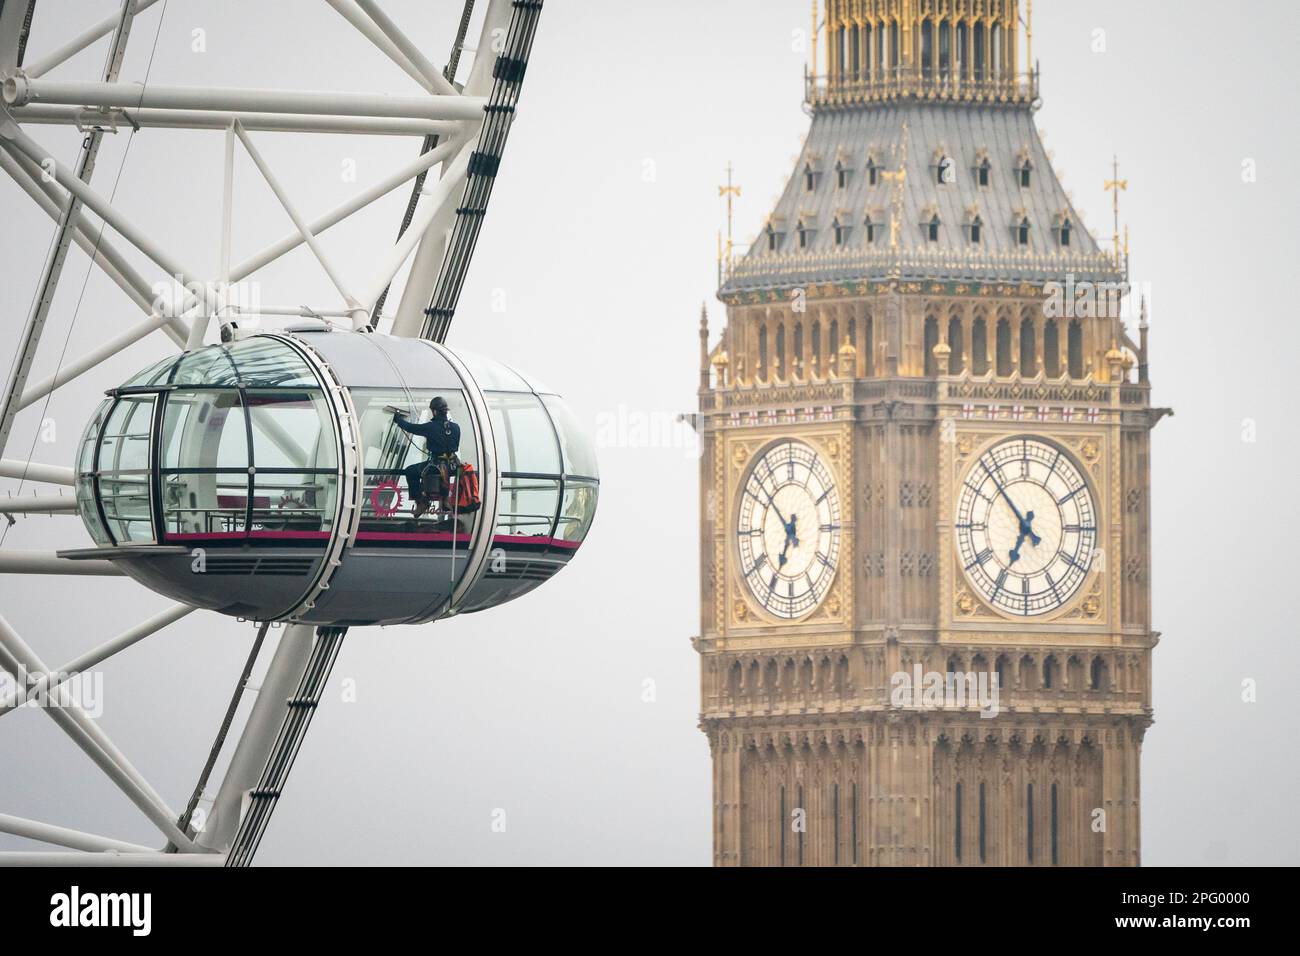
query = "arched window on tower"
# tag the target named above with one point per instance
(976, 229)
(835, 337)
(1099, 678)
(763, 367)
(963, 67)
(780, 350)
(1065, 231)
(871, 228)
(855, 53)
(1004, 347)
(817, 347)
(1075, 349)
(978, 60)
(930, 340)
(1022, 231)
(809, 178)
(995, 51)
(979, 347)
(798, 348)
(841, 232)
(1051, 349)
(945, 49)
(932, 228)
(982, 172)
(1025, 173)
(773, 239)
(868, 45)
(841, 175)
(893, 45)
(1028, 349)
(956, 359)
(805, 234)
(873, 172)
(927, 47)
(1049, 673)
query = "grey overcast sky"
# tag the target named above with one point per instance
(596, 255)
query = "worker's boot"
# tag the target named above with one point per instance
(421, 506)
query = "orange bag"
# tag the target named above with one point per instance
(468, 498)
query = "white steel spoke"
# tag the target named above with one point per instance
(433, 77)
(63, 836)
(46, 562)
(80, 42)
(117, 117)
(360, 315)
(89, 238)
(20, 90)
(342, 212)
(154, 858)
(13, 138)
(71, 370)
(98, 655)
(39, 504)
(435, 200)
(30, 337)
(35, 471)
(92, 740)
(415, 67)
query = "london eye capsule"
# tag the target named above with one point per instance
(268, 479)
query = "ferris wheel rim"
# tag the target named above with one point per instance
(452, 139)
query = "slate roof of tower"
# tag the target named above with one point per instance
(960, 131)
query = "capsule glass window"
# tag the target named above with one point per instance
(388, 455)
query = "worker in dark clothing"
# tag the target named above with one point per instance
(441, 441)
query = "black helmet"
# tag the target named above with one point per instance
(438, 405)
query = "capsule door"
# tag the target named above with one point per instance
(123, 470)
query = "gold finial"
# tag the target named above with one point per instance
(730, 191)
(1029, 37)
(814, 38)
(1115, 186)
(898, 178)
(704, 345)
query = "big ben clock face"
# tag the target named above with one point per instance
(789, 530)
(1026, 527)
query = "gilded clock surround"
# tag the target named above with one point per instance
(1085, 602)
(828, 445)
(901, 354)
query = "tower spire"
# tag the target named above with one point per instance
(1115, 185)
(729, 191)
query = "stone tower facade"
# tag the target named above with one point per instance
(925, 491)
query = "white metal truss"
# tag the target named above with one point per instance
(461, 129)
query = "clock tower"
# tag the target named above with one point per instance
(925, 489)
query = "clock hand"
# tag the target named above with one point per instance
(1019, 517)
(1015, 551)
(785, 524)
(1027, 528)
